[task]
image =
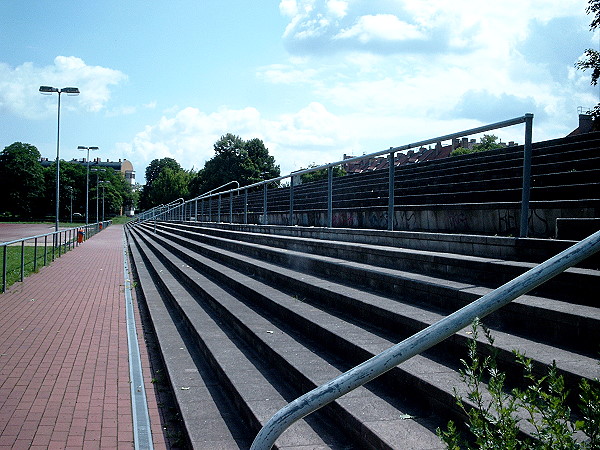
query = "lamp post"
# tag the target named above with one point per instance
(97, 177)
(70, 188)
(87, 180)
(48, 90)
(104, 183)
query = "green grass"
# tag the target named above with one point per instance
(121, 220)
(13, 260)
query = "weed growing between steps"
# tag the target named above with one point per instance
(494, 421)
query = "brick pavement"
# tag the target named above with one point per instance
(64, 371)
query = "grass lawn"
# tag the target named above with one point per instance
(13, 261)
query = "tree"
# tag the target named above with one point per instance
(156, 166)
(488, 142)
(320, 174)
(246, 162)
(170, 185)
(165, 181)
(21, 180)
(591, 58)
(147, 198)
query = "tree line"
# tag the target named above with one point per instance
(29, 189)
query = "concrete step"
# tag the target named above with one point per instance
(558, 321)
(239, 395)
(575, 285)
(384, 313)
(242, 302)
(294, 366)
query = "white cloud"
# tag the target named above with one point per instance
(385, 27)
(19, 86)
(312, 134)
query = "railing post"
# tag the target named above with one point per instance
(265, 220)
(390, 226)
(330, 197)
(22, 261)
(35, 254)
(219, 210)
(231, 207)
(527, 150)
(196, 210)
(4, 261)
(245, 206)
(45, 250)
(291, 221)
(210, 209)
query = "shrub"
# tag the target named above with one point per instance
(493, 417)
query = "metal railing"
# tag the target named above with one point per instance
(189, 209)
(59, 242)
(158, 211)
(423, 340)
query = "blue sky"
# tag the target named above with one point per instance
(314, 79)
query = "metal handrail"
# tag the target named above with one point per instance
(56, 244)
(423, 340)
(152, 213)
(526, 182)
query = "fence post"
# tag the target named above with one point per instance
(219, 210)
(291, 221)
(265, 220)
(4, 261)
(527, 150)
(330, 197)
(22, 261)
(231, 207)
(391, 192)
(35, 255)
(245, 206)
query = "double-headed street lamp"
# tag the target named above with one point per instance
(97, 192)
(48, 90)
(104, 183)
(87, 180)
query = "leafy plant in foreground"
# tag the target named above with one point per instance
(494, 412)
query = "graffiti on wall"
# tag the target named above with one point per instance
(457, 221)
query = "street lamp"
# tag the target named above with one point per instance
(70, 188)
(87, 180)
(97, 177)
(48, 90)
(103, 184)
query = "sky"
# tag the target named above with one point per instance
(314, 79)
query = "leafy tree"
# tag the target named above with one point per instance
(246, 162)
(320, 174)
(488, 142)
(21, 179)
(591, 58)
(156, 166)
(170, 185)
(147, 197)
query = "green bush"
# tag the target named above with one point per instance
(494, 416)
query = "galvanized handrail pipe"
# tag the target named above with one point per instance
(422, 340)
(58, 243)
(527, 119)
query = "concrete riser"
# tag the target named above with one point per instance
(301, 310)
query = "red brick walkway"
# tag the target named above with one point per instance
(64, 373)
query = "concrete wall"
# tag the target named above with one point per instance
(500, 219)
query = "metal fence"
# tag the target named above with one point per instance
(45, 248)
(248, 203)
